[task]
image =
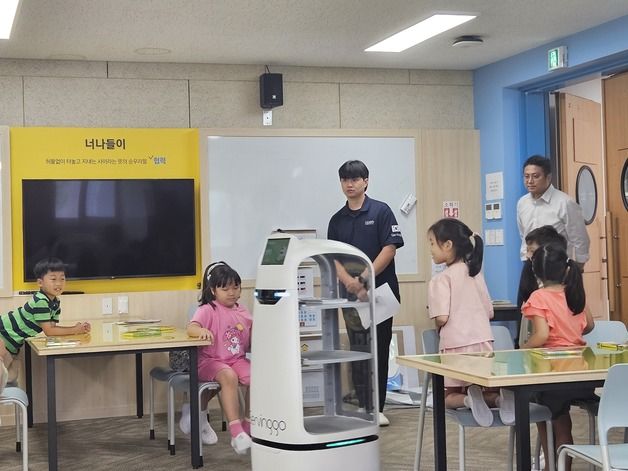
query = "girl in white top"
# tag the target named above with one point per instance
(459, 303)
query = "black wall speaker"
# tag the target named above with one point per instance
(270, 90)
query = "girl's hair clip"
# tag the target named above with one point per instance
(472, 239)
(210, 269)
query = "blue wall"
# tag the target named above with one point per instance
(509, 113)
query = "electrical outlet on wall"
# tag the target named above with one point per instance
(123, 304)
(107, 305)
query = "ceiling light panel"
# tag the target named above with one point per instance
(413, 35)
(7, 15)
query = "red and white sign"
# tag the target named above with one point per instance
(451, 209)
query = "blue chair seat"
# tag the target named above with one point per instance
(19, 399)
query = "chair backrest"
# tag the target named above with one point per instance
(503, 339)
(429, 339)
(612, 411)
(501, 334)
(607, 331)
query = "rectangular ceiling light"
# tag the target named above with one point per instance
(7, 15)
(432, 26)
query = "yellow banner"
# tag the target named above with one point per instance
(107, 153)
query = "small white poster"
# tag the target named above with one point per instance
(451, 209)
(494, 186)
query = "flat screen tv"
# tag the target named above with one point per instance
(110, 228)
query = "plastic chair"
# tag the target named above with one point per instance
(612, 413)
(181, 382)
(464, 417)
(604, 331)
(180, 379)
(158, 373)
(177, 381)
(17, 397)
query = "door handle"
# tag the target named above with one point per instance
(612, 269)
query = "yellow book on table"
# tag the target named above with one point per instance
(612, 346)
(52, 342)
(558, 352)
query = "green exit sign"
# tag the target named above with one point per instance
(557, 58)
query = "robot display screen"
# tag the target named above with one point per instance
(275, 251)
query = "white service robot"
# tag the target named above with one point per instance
(341, 434)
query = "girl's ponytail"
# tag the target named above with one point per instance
(574, 288)
(474, 258)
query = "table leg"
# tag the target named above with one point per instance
(440, 438)
(197, 459)
(139, 386)
(52, 413)
(522, 428)
(29, 382)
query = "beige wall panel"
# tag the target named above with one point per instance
(224, 104)
(59, 68)
(164, 70)
(105, 102)
(414, 309)
(169, 306)
(406, 106)
(451, 172)
(224, 72)
(343, 75)
(441, 77)
(236, 104)
(11, 105)
(307, 105)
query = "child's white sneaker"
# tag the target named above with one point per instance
(208, 435)
(185, 423)
(241, 443)
(480, 410)
(506, 406)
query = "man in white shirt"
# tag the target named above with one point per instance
(545, 205)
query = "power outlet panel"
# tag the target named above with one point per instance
(107, 305)
(123, 304)
(267, 117)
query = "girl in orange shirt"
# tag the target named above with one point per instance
(559, 319)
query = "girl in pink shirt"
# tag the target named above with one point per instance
(227, 325)
(559, 318)
(460, 305)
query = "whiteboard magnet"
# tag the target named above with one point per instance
(408, 203)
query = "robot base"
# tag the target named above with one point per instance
(364, 457)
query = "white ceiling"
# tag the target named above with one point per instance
(291, 32)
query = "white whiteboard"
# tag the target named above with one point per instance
(259, 184)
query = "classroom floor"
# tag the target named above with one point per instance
(122, 444)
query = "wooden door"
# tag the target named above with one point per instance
(615, 90)
(581, 164)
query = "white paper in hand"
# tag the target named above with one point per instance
(386, 305)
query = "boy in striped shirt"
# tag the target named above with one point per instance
(40, 313)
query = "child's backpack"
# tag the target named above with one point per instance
(179, 360)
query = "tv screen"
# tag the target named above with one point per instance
(110, 228)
